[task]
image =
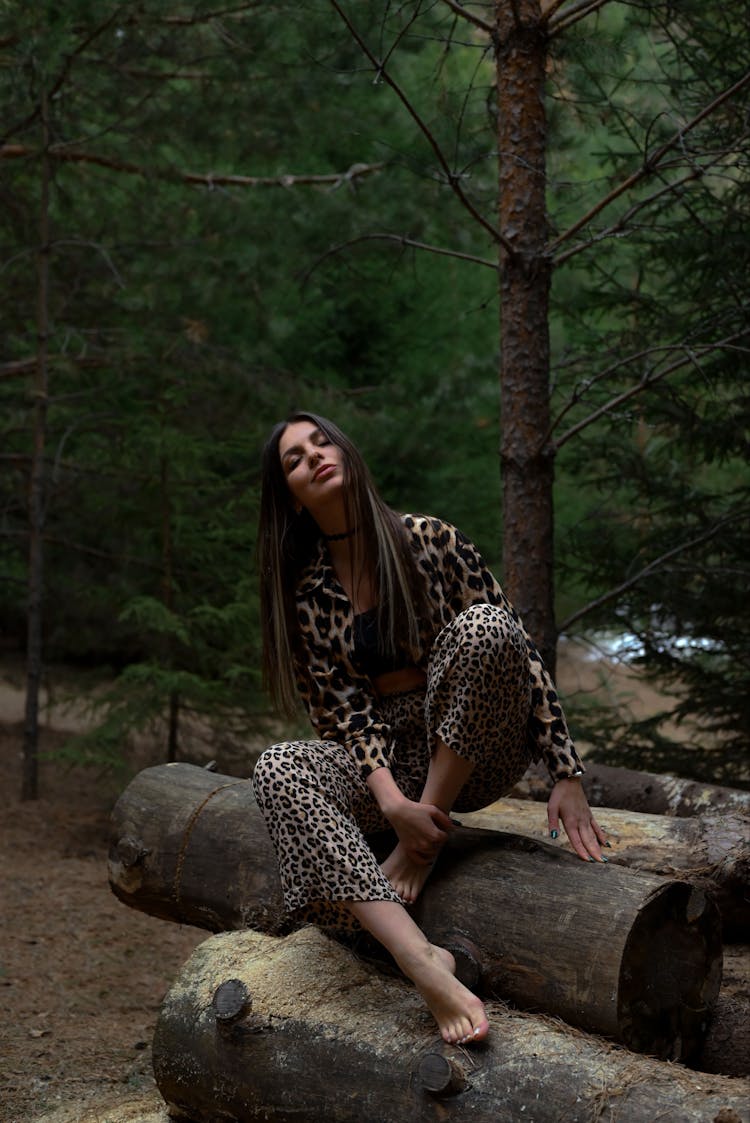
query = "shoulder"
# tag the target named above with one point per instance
(429, 532)
(439, 538)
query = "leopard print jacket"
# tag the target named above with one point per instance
(341, 702)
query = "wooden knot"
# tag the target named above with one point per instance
(231, 1002)
(131, 852)
(440, 1076)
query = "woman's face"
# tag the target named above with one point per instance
(313, 466)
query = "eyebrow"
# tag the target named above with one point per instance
(298, 448)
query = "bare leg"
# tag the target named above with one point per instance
(459, 1013)
(446, 776)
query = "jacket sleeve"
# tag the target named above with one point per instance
(471, 582)
(341, 705)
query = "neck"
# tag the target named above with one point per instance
(340, 537)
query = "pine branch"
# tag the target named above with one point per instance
(451, 178)
(17, 368)
(690, 356)
(549, 8)
(651, 161)
(401, 240)
(211, 179)
(559, 21)
(464, 13)
(621, 225)
(69, 58)
(652, 566)
(207, 17)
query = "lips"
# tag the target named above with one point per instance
(323, 470)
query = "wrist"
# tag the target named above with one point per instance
(386, 791)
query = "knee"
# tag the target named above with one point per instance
(493, 628)
(273, 770)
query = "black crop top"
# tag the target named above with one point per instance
(368, 659)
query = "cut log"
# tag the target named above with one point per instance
(711, 850)
(191, 845)
(649, 792)
(318, 1035)
(630, 955)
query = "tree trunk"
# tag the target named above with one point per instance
(526, 452)
(665, 794)
(30, 780)
(259, 1028)
(626, 954)
(712, 849)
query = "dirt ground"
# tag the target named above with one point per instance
(82, 976)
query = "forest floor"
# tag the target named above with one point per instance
(81, 976)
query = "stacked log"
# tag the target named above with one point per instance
(631, 790)
(259, 1028)
(191, 846)
(625, 953)
(710, 849)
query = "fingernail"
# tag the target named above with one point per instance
(553, 834)
(604, 859)
(591, 859)
(609, 844)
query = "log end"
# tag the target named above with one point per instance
(438, 1075)
(670, 973)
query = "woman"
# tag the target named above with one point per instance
(422, 685)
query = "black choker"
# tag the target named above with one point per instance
(340, 537)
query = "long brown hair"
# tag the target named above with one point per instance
(287, 541)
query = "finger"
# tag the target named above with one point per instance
(577, 843)
(440, 819)
(553, 821)
(591, 842)
(600, 833)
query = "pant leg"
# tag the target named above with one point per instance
(478, 700)
(317, 808)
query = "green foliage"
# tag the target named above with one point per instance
(186, 317)
(652, 341)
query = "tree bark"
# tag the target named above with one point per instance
(660, 795)
(191, 846)
(257, 1027)
(712, 850)
(626, 954)
(665, 794)
(526, 454)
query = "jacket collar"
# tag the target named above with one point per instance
(319, 574)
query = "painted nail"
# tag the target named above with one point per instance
(553, 834)
(591, 859)
(604, 859)
(609, 844)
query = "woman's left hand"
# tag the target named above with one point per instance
(568, 802)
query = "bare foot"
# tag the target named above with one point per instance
(406, 877)
(459, 1014)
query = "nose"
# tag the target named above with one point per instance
(314, 454)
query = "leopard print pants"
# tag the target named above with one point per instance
(319, 809)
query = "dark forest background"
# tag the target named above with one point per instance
(505, 246)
